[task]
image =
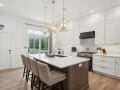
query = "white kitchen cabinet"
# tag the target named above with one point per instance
(76, 33)
(87, 28)
(104, 64)
(104, 69)
(99, 33)
(118, 67)
(112, 32)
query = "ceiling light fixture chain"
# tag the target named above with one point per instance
(46, 26)
(45, 15)
(53, 28)
(53, 11)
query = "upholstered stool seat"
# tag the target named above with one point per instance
(50, 78)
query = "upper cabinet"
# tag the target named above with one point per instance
(112, 32)
(87, 28)
(76, 33)
(99, 33)
(107, 32)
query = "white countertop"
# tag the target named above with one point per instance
(60, 62)
(109, 55)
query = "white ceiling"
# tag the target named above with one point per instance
(75, 8)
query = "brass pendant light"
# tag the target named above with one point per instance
(53, 27)
(64, 25)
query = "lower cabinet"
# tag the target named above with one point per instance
(104, 69)
(118, 67)
(107, 65)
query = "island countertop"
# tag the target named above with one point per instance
(60, 62)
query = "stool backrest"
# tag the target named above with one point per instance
(23, 60)
(34, 67)
(28, 65)
(44, 72)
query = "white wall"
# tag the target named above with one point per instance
(16, 26)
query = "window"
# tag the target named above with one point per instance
(38, 44)
(44, 43)
(38, 41)
(31, 41)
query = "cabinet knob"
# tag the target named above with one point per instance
(9, 51)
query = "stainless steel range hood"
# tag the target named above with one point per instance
(86, 35)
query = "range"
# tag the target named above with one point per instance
(87, 55)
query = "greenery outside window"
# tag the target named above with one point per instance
(38, 44)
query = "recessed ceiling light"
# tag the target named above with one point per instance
(91, 11)
(1, 4)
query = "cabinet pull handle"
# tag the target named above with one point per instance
(103, 67)
(103, 61)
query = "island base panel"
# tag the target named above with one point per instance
(77, 77)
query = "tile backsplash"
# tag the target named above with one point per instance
(112, 49)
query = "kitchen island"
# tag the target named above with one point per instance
(76, 69)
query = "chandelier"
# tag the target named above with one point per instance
(64, 24)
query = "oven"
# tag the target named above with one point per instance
(87, 55)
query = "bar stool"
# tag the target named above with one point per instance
(35, 80)
(24, 64)
(28, 66)
(51, 79)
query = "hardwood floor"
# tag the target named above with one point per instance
(13, 80)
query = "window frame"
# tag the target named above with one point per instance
(38, 37)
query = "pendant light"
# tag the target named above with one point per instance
(53, 27)
(64, 25)
(46, 26)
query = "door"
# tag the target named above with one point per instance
(5, 50)
(19, 46)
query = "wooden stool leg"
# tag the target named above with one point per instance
(32, 82)
(42, 86)
(39, 84)
(27, 75)
(24, 72)
(62, 85)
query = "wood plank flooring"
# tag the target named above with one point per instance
(13, 80)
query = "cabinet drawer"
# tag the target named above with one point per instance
(118, 60)
(106, 61)
(105, 70)
(104, 58)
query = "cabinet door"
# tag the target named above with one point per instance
(111, 32)
(99, 33)
(118, 67)
(87, 28)
(103, 69)
(76, 33)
